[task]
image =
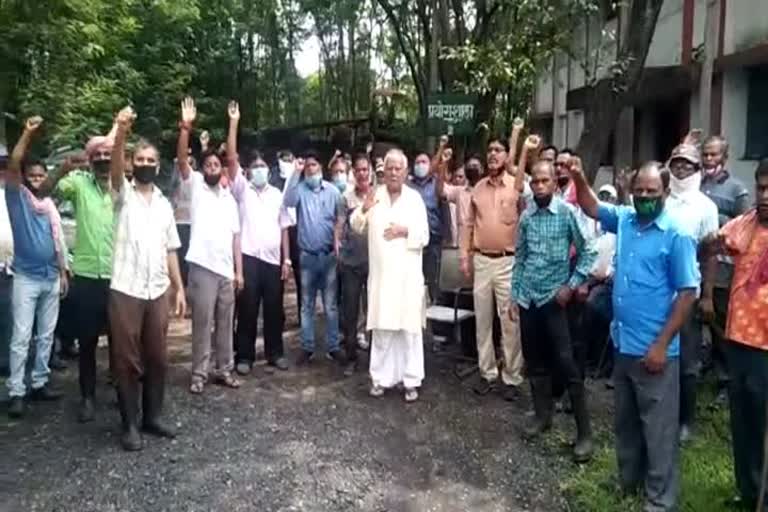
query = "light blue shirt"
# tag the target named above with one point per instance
(317, 212)
(653, 263)
(34, 247)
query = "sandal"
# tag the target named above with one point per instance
(228, 380)
(196, 388)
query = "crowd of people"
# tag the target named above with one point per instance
(647, 265)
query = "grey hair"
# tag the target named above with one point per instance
(396, 153)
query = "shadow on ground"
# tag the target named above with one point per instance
(304, 440)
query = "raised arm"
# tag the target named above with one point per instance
(233, 110)
(188, 116)
(517, 127)
(584, 193)
(440, 167)
(13, 176)
(531, 144)
(125, 119)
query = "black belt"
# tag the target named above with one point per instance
(496, 255)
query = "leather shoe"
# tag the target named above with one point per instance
(159, 429)
(16, 407)
(131, 440)
(45, 394)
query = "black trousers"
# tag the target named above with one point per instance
(185, 230)
(293, 242)
(546, 342)
(90, 297)
(353, 283)
(263, 285)
(430, 266)
(721, 298)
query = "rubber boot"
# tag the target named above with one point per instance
(687, 407)
(541, 390)
(153, 393)
(582, 450)
(128, 401)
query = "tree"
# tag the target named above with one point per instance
(608, 96)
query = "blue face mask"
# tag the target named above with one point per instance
(420, 170)
(313, 181)
(259, 176)
(341, 182)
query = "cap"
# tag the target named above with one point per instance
(687, 152)
(610, 189)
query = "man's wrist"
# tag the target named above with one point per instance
(287, 262)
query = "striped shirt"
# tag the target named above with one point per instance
(542, 263)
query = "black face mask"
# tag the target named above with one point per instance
(648, 208)
(144, 173)
(473, 174)
(562, 181)
(212, 179)
(100, 167)
(543, 201)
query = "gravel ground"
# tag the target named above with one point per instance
(304, 440)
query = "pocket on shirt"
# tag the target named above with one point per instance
(508, 211)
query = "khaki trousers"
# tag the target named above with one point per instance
(493, 277)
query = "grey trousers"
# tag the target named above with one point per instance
(646, 424)
(212, 298)
(748, 398)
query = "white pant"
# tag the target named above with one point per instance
(397, 356)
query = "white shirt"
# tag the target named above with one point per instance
(214, 219)
(263, 219)
(145, 232)
(6, 235)
(605, 246)
(695, 212)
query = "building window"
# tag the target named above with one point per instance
(757, 114)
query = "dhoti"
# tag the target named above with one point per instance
(397, 357)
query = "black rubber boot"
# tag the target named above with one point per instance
(582, 450)
(541, 390)
(687, 407)
(128, 400)
(154, 391)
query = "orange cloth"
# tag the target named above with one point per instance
(747, 242)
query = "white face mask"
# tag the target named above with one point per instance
(420, 170)
(685, 186)
(286, 168)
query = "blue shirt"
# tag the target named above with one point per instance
(542, 253)
(427, 189)
(653, 263)
(317, 211)
(34, 249)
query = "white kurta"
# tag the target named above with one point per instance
(396, 307)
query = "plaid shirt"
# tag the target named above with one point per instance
(542, 263)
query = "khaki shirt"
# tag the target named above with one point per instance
(490, 224)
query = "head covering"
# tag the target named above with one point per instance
(610, 189)
(96, 143)
(687, 152)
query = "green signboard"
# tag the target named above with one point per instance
(452, 114)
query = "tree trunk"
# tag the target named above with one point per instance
(610, 95)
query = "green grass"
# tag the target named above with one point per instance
(707, 472)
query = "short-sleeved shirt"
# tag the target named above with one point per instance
(262, 219)
(732, 199)
(491, 221)
(145, 231)
(542, 260)
(6, 235)
(34, 247)
(653, 263)
(215, 221)
(748, 309)
(317, 212)
(354, 246)
(94, 224)
(427, 189)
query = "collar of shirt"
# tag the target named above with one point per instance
(502, 180)
(422, 182)
(719, 177)
(662, 222)
(552, 207)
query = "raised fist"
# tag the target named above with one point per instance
(205, 138)
(33, 123)
(126, 117)
(532, 142)
(518, 124)
(575, 167)
(443, 141)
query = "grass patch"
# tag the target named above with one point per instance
(706, 470)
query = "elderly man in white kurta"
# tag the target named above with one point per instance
(396, 221)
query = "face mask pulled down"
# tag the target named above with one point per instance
(313, 181)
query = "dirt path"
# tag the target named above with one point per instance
(306, 440)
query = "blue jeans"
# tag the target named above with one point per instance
(318, 273)
(35, 302)
(6, 318)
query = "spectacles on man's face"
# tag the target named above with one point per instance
(682, 166)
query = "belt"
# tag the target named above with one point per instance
(496, 255)
(321, 252)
